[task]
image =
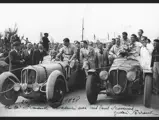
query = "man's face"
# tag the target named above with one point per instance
(143, 42)
(82, 44)
(133, 39)
(113, 42)
(118, 41)
(66, 43)
(140, 33)
(17, 47)
(156, 44)
(100, 46)
(77, 45)
(124, 36)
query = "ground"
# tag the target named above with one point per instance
(76, 104)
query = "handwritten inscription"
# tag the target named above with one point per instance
(115, 109)
(71, 100)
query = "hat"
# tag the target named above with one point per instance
(46, 34)
(156, 40)
(16, 43)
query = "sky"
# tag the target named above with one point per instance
(65, 20)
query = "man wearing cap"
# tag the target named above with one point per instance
(15, 60)
(155, 66)
(45, 42)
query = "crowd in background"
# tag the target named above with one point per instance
(87, 53)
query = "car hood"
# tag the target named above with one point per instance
(124, 64)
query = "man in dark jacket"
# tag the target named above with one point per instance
(155, 66)
(28, 54)
(16, 63)
(45, 42)
(38, 55)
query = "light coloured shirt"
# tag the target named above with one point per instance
(67, 52)
(135, 50)
(146, 56)
(100, 58)
(115, 50)
(87, 53)
(125, 43)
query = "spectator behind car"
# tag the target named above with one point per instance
(155, 66)
(38, 55)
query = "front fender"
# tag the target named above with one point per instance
(91, 71)
(4, 75)
(52, 77)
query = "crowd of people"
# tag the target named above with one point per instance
(89, 54)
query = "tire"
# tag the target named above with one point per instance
(10, 97)
(147, 91)
(59, 92)
(92, 89)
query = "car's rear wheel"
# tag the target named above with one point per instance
(58, 93)
(92, 89)
(147, 90)
(7, 94)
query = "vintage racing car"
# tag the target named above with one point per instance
(124, 77)
(40, 82)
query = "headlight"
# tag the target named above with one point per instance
(131, 75)
(103, 75)
(36, 86)
(17, 87)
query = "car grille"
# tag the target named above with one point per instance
(118, 77)
(29, 76)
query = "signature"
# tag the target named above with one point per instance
(135, 112)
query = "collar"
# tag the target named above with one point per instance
(16, 50)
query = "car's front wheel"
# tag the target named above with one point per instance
(57, 92)
(7, 94)
(92, 89)
(147, 90)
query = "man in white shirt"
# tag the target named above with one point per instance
(145, 54)
(134, 48)
(114, 51)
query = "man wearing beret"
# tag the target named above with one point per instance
(155, 66)
(15, 60)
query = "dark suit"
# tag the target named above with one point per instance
(28, 57)
(15, 63)
(38, 56)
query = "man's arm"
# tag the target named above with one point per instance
(74, 54)
(81, 55)
(60, 53)
(111, 51)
